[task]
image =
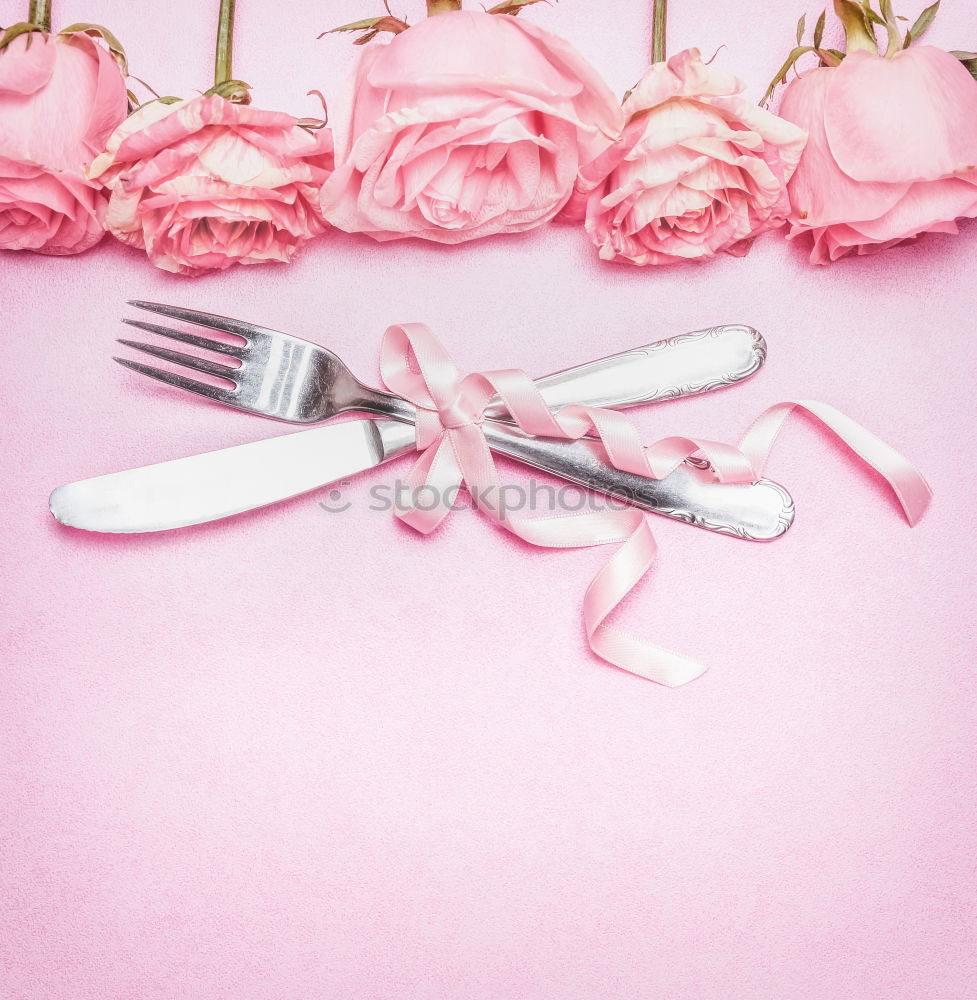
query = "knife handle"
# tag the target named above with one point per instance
(685, 365)
(757, 511)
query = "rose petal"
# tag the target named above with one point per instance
(924, 208)
(909, 118)
(820, 192)
(26, 65)
(684, 75)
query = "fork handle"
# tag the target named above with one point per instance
(757, 511)
(686, 365)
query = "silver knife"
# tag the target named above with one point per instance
(220, 483)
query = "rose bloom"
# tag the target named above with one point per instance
(698, 170)
(60, 99)
(892, 151)
(466, 125)
(204, 184)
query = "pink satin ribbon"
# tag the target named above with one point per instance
(454, 452)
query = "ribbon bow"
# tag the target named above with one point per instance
(454, 452)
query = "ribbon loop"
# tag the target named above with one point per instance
(454, 452)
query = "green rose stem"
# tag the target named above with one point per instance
(658, 19)
(39, 13)
(225, 43)
(442, 6)
(236, 91)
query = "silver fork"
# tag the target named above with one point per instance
(291, 379)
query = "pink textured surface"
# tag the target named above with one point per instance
(308, 755)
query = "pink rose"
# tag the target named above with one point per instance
(892, 150)
(466, 125)
(698, 169)
(204, 184)
(60, 99)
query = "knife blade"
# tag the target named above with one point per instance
(229, 481)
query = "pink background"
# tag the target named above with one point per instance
(299, 755)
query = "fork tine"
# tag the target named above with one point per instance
(191, 385)
(187, 360)
(187, 338)
(212, 320)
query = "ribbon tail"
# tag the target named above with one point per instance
(608, 588)
(911, 489)
(435, 471)
(473, 457)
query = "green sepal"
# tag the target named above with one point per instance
(781, 74)
(870, 16)
(819, 29)
(99, 31)
(313, 125)
(512, 7)
(16, 30)
(235, 91)
(923, 22)
(371, 27)
(891, 28)
(169, 99)
(969, 60)
(828, 57)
